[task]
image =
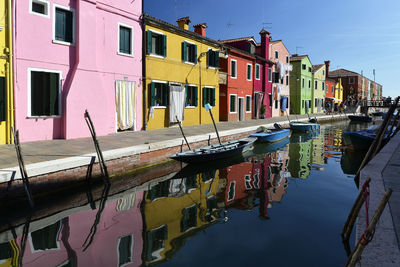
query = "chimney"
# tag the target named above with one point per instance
(264, 43)
(327, 62)
(200, 29)
(183, 23)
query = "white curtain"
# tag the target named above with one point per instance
(125, 99)
(176, 103)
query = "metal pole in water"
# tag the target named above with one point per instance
(184, 137)
(208, 107)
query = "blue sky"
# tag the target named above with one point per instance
(353, 34)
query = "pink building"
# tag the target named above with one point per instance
(76, 55)
(117, 241)
(279, 54)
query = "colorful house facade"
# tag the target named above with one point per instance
(301, 84)
(318, 92)
(236, 94)
(6, 73)
(338, 92)
(85, 55)
(330, 85)
(279, 54)
(181, 74)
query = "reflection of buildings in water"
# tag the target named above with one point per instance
(175, 209)
(351, 160)
(117, 242)
(264, 178)
(300, 158)
(317, 156)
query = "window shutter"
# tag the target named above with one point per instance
(184, 53)
(216, 53)
(187, 95)
(204, 96)
(152, 94)
(165, 94)
(209, 57)
(60, 24)
(68, 24)
(195, 54)
(53, 94)
(149, 48)
(195, 96)
(212, 97)
(164, 38)
(3, 108)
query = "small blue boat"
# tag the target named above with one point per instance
(300, 126)
(271, 135)
(362, 139)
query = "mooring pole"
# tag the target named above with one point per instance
(287, 115)
(184, 137)
(208, 107)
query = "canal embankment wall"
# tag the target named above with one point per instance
(123, 152)
(384, 170)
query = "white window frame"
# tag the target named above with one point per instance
(236, 74)
(234, 190)
(208, 66)
(270, 77)
(73, 24)
(246, 104)
(192, 85)
(188, 62)
(47, 8)
(132, 39)
(247, 72)
(152, 54)
(133, 242)
(258, 66)
(33, 250)
(236, 104)
(30, 89)
(158, 81)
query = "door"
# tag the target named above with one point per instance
(125, 96)
(241, 108)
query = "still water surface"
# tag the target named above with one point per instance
(279, 205)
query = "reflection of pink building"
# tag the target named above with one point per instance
(117, 241)
(77, 55)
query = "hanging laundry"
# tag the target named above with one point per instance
(125, 96)
(176, 103)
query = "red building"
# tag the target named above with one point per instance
(329, 93)
(236, 92)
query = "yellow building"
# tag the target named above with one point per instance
(176, 209)
(181, 74)
(6, 81)
(339, 92)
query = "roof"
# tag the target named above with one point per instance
(317, 67)
(248, 54)
(330, 80)
(160, 23)
(342, 72)
(237, 40)
(297, 57)
(280, 41)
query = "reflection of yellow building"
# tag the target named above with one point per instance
(339, 91)
(317, 155)
(6, 88)
(175, 209)
(9, 254)
(180, 65)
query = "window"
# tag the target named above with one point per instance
(315, 85)
(212, 58)
(125, 37)
(351, 80)
(326, 88)
(44, 93)
(39, 7)
(125, 250)
(191, 96)
(209, 96)
(189, 219)
(249, 72)
(251, 48)
(287, 79)
(275, 77)
(257, 71)
(231, 192)
(156, 242)
(309, 69)
(276, 54)
(315, 102)
(281, 81)
(323, 72)
(159, 94)
(269, 74)
(323, 86)
(302, 83)
(232, 106)
(276, 104)
(189, 52)
(233, 69)
(3, 99)
(156, 44)
(248, 103)
(270, 100)
(332, 90)
(287, 59)
(46, 238)
(64, 25)
(303, 66)
(309, 84)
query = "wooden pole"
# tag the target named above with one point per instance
(348, 226)
(184, 137)
(215, 126)
(287, 115)
(367, 236)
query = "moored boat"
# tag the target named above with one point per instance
(360, 118)
(215, 152)
(302, 126)
(362, 139)
(271, 135)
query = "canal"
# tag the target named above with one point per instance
(282, 204)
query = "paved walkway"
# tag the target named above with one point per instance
(43, 151)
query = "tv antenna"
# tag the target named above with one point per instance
(176, 4)
(266, 25)
(229, 24)
(297, 48)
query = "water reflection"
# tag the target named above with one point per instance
(151, 223)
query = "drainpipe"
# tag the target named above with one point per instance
(10, 80)
(144, 84)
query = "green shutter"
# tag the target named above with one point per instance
(53, 94)
(68, 26)
(216, 53)
(165, 94)
(149, 48)
(204, 96)
(60, 24)
(184, 51)
(187, 95)
(209, 57)
(3, 97)
(152, 94)
(195, 96)
(212, 97)
(164, 42)
(195, 54)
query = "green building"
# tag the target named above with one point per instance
(318, 92)
(301, 85)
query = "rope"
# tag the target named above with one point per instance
(367, 235)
